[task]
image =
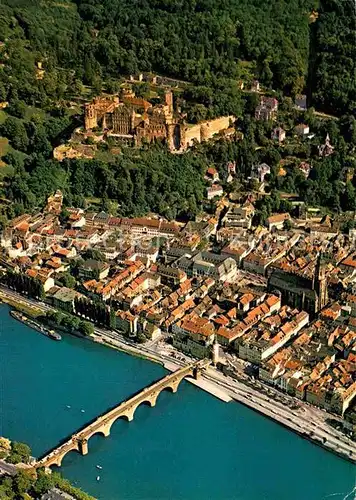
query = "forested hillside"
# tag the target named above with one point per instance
(197, 40)
(333, 57)
(286, 44)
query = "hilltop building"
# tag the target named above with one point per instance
(300, 102)
(267, 109)
(136, 120)
(326, 149)
(278, 134)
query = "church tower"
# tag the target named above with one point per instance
(320, 284)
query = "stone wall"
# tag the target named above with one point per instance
(204, 131)
(190, 134)
(212, 127)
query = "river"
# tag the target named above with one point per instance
(191, 446)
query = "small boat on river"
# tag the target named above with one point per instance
(34, 325)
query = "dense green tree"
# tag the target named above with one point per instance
(55, 317)
(15, 130)
(97, 42)
(94, 253)
(332, 68)
(67, 280)
(19, 452)
(22, 482)
(24, 284)
(141, 338)
(43, 483)
(86, 328)
(6, 488)
(17, 108)
(349, 199)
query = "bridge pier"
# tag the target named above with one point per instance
(175, 387)
(153, 399)
(130, 414)
(106, 430)
(197, 373)
(79, 440)
(83, 446)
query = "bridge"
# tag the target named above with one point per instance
(126, 409)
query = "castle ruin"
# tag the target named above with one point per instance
(136, 120)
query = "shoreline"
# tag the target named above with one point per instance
(36, 325)
(303, 434)
(215, 386)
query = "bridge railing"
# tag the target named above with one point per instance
(160, 383)
(106, 416)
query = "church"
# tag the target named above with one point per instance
(304, 291)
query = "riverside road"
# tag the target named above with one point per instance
(308, 421)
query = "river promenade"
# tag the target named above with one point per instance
(190, 446)
(307, 421)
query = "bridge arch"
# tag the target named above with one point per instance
(151, 398)
(76, 450)
(125, 410)
(124, 416)
(58, 459)
(103, 432)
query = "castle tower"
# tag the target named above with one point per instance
(171, 137)
(90, 117)
(183, 136)
(320, 284)
(104, 124)
(133, 117)
(169, 101)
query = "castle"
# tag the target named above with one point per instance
(135, 120)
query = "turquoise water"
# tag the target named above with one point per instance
(190, 446)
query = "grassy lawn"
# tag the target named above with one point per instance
(4, 149)
(4, 146)
(93, 201)
(6, 170)
(75, 110)
(31, 111)
(106, 156)
(3, 116)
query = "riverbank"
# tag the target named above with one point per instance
(38, 326)
(20, 306)
(161, 453)
(295, 427)
(16, 459)
(312, 420)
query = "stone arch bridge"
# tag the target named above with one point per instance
(126, 410)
